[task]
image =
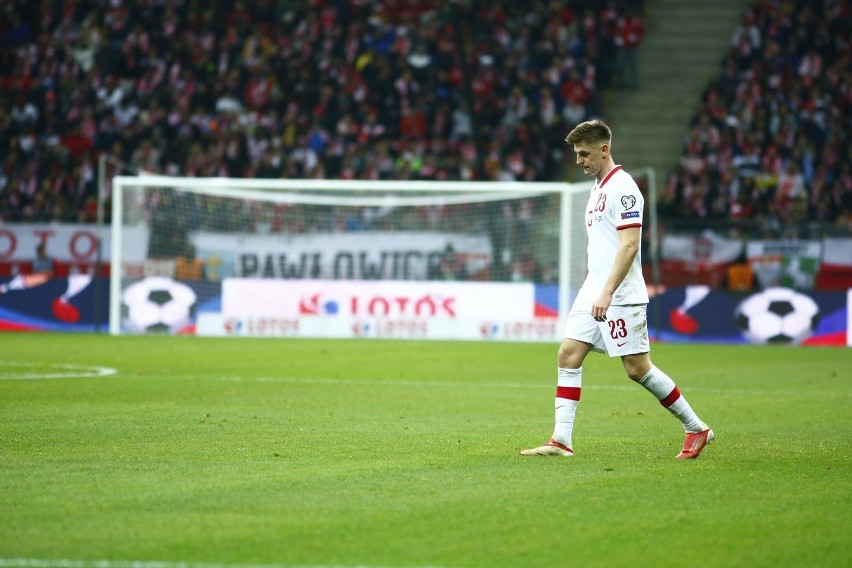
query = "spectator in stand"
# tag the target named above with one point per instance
(629, 33)
(575, 96)
(452, 266)
(42, 263)
(41, 270)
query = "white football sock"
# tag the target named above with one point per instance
(567, 398)
(693, 296)
(665, 390)
(76, 283)
(16, 283)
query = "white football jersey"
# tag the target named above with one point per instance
(615, 203)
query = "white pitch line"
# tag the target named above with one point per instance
(72, 371)
(67, 563)
(493, 385)
(91, 371)
(400, 383)
(389, 382)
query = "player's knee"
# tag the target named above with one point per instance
(568, 357)
(634, 374)
(636, 369)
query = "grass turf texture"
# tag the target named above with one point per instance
(404, 454)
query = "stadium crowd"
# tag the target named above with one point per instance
(398, 89)
(769, 142)
(404, 89)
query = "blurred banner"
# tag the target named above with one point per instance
(353, 255)
(391, 309)
(774, 315)
(246, 307)
(822, 265)
(707, 249)
(835, 271)
(66, 242)
(73, 247)
(57, 304)
(785, 263)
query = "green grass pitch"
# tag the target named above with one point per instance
(393, 454)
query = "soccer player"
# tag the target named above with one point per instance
(609, 314)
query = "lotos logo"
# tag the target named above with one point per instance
(233, 326)
(489, 330)
(424, 306)
(368, 305)
(315, 306)
(361, 329)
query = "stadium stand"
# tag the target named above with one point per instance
(398, 89)
(404, 89)
(768, 149)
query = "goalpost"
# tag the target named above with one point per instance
(340, 258)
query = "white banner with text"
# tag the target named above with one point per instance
(379, 309)
(390, 255)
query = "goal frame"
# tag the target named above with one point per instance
(236, 187)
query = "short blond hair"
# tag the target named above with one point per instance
(590, 132)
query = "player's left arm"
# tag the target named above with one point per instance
(628, 246)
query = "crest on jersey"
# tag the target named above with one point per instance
(628, 201)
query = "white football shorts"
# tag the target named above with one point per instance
(625, 331)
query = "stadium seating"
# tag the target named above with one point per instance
(768, 148)
(403, 89)
(350, 89)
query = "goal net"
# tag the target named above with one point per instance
(343, 258)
